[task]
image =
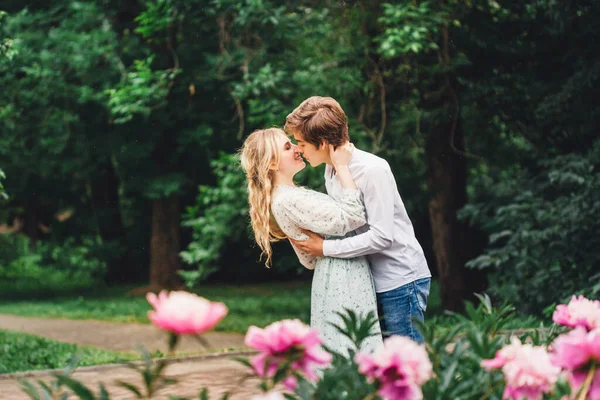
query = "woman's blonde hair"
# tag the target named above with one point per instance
(258, 155)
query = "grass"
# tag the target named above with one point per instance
(258, 304)
(24, 352)
(249, 304)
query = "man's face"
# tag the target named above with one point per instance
(315, 156)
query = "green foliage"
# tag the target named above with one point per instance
(24, 352)
(49, 264)
(152, 374)
(155, 21)
(219, 216)
(12, 247)
(543, 244)
(342, 379)
(410, 28)
(3, 194)
(6, 44)
(142, 91)
(161, 91)
(456, 355)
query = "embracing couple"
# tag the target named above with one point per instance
(357, 237)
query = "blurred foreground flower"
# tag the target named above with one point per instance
(287, 344)
(528, 370)
(579, 312)
(401, 366)
(269, 396)
(184, 313)
(578, 351)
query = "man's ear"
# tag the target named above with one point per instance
(324, 144)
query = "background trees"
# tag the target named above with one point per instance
(113, 113)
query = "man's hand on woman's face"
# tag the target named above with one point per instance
(313, 245)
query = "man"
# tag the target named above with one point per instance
(400, 271)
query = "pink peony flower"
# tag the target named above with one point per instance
(527, 369)
(575, 351)
(268, 396)
(184, 313)
(400, 367)
(577, 379)
(290, 383)
(287, 341)
(576, 348)
(579, 312)
(506, 354)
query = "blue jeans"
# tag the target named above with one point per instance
(399, 306)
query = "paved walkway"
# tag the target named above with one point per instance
(117, 336)
(219, 374)
(211, 367)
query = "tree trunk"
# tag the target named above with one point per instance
(165, 242)
(453, 241)
(447, 180)
(107, 210)
(32, 221)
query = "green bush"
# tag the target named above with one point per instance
(543, 230)
(218, 217)
(24, 352)
(82, 261)
(49, 265)
(12, 247)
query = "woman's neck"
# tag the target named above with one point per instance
(280, 179)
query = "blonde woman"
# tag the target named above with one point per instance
(280, 210)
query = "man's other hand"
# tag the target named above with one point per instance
(313, 245)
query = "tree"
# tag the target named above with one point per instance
(425, 64)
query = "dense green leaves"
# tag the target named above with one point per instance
(23, 352)
(108, 106)
(3, 195)
(543, 242)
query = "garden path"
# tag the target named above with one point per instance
(219, 373)
(215, 369)
(117, 336)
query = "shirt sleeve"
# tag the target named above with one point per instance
(320, 213)
(379, 191)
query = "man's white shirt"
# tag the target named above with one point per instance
(388, 239)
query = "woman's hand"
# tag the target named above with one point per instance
(341, 156)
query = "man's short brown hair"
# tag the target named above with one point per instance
(317, 119)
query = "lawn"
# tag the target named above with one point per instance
(24, 352)
(258, 304)
(249, 304)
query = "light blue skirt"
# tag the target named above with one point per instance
(338, 284)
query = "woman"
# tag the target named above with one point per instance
(279, 209)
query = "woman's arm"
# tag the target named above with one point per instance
(317, 212)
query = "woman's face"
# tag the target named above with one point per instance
(290, 161)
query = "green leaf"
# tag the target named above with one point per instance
(30, 389)
(77, 387)
(103, 393)
(131, 387)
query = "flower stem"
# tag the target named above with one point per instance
(371, 396)
(587, 383)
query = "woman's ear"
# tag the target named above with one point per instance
(273, 167)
